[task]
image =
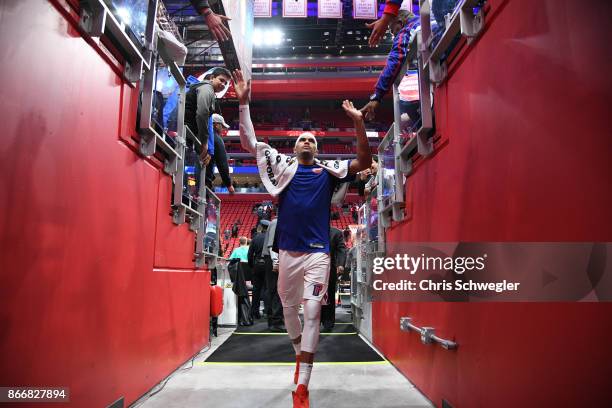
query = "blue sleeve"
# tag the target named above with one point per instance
(395, 60)
(170, 105)
(211, 139)
(199, 4)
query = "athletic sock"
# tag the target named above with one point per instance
(305, 370)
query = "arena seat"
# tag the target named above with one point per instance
(232, 209)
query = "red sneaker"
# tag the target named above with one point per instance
(300, 397)
(296, 375)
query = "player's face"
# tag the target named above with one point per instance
(306, 145)
(374, 167)
(219, 82)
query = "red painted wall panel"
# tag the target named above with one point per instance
(81, 303)
(174, 244)
(524, 157)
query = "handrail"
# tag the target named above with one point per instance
(189, 135)
(427, 334)
(97, 20)
(462, 21)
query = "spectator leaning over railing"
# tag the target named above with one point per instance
(403, 27)
(200, 105)
(439, 9)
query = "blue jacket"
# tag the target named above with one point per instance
(396, 58)
(199, 4)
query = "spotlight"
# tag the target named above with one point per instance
(275, 36)
(125, 15)
(257, 37)
(267, 38)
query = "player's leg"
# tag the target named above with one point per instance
(290, 291)
(316, 274)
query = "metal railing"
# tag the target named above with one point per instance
(427, 334)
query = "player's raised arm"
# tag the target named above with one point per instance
(364, 156)
(248, 140)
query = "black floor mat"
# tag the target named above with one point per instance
(261, 326)
(252, 348)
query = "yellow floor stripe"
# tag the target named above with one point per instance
(285, 334)
(205, 363)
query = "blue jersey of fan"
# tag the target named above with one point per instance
(303, 214)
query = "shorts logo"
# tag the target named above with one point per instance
(316, 289)
(317, 170)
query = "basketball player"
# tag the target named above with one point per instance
(305, 186)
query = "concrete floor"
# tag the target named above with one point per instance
(357, 385)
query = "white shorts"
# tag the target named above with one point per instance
(302, 275)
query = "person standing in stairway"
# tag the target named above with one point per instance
(337, 256)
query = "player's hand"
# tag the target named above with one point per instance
(369, 110)
(379, 28)
(216, 26)
(364, 174)
(231, 189)
(242, 87)
(351, 111)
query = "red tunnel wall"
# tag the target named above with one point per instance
(525, 157)
(85, 226)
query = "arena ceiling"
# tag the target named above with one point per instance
(302, 37)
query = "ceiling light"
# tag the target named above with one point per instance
(267, 38)
(124, 15)
(275, 36)
(257, 37)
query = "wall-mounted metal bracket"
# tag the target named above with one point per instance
(427, 334)
(471, 24)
